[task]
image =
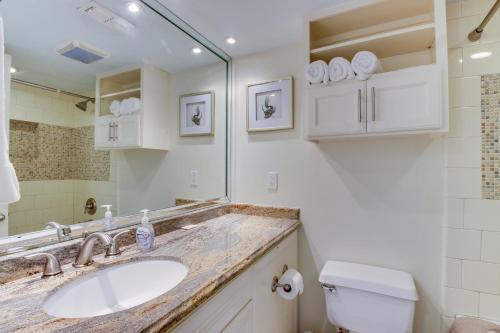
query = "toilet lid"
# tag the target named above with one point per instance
(369, 278)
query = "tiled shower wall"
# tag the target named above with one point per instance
(472, 285)
(50, 198)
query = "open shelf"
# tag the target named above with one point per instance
(135, 92)
(401, 33)
(385, 44)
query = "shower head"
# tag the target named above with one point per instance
(83, 104)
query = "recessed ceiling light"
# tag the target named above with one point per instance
(481, 55)
(14, 70)
(231, 40)
(133, 7)
(196, 50)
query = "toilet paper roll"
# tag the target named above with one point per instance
(295, 280)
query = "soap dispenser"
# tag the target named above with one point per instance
(108, 217)
(145, 234)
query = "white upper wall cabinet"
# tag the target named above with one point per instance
(411, 97)
(146, 126)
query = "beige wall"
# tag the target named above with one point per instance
(59, 200)
(377, 201)
(472, 285)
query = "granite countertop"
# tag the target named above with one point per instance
(215, 252)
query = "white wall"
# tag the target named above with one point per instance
(372, 201)
(472, 285)
(154, 179)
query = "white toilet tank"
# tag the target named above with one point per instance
(368, 299)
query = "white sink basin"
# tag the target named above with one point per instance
(115, 289)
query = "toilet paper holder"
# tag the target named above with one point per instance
(275, 284)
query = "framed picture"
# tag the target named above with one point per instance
(196, 114)
(270, 105)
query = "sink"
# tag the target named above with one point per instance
(115, 289)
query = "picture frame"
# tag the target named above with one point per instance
(270, 105)
(196, 114)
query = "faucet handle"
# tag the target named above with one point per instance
(52, 266)
(114, 249)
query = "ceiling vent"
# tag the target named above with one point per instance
(106, 17)
(82, 52)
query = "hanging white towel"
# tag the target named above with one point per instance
(317, 72)
(364, 64)
(340, 69)
(9, 186)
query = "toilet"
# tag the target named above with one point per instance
(368, 299)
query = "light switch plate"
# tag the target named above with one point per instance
(194, 177)
(272, 181)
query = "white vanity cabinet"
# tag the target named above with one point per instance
(145, 128)
(247, 304)
(402, 101)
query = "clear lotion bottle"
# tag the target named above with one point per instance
(145, 234)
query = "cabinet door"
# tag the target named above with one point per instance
(243, 322)
(104, 135)
(128, 131)
(338, 109)
(406, 100)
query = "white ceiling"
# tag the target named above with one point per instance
(34, 29)
(258, 25)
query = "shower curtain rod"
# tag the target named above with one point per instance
(59, 91)
(475, 34)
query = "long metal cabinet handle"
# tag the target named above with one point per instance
(110, 126)
(360, 116)
(373, 103)
(115, 133)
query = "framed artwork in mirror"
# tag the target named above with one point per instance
(196, 114)
(270, 105)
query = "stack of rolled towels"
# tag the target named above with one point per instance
(363, 65)
(125, 107)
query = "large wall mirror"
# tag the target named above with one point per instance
(110, 102)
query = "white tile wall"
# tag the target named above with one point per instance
(489, 307)
(461, 301)
(490, 247)
(453, 273)
(62, 201)
(464, 244)
(482, 215)
(472, 284)
(481, 276)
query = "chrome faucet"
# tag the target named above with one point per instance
(51, 267)
(85, 254)
(63, 231)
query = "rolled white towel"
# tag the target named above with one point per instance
(340, 69)
(125, 107)
(317, 72)
(134, 105)
(114, 108)
(364, 64)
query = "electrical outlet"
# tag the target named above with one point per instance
(195, 178)
(272, 181)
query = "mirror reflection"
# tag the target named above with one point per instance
(111, 107)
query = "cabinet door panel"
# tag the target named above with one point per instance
(103, 135)
(243, 322)
(338, 109)
(404, 100)
(129, 131)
